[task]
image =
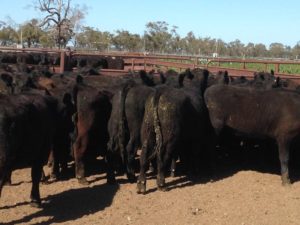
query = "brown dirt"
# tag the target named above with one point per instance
(243, 197)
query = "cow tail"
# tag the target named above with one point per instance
(123, 120)
(157, 124)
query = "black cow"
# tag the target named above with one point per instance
(128, 106)
(93, 111)
(27, 124)
(175, 119)
(257, 113)
(61, 88)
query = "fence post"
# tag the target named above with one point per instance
(277, 68)
(62, 62)
(266, 67)
(195, 62)
(132, 64)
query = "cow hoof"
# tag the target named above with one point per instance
(7, 183)
(36, 204)
(83, 181)
(53, 176)
(286, 183)
(162, 188)
(172, 173)
(141, 187)
(151, 169)
(46, 182)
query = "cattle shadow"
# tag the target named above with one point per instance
(73, 204)
(177, 183)
(231, 161)
(15, 205)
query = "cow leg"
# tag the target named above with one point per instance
(152, 166)
(79, 149)
(7, 178)
(54, 166)
(163, 158)
(3, 171)
(110, 173)
(283, 149)
(141, 183)
(36, 174)
(213, 141)
(173, 166)
(50, 159)
(131, 150)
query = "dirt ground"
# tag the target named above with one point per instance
(242, 197)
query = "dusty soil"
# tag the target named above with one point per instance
(235, 197)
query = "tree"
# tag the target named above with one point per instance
(46, 40)
(157, 36)
(177, 44)
(93, 39)
(191, 44)
(296, 50)
(277, 50)
(31, 32)
(125, 41)
(8, 36)
(236, 48)
(61, 19)
(260, 50)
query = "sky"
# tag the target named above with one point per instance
(256, 21)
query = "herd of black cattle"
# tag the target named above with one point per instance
(175, 119)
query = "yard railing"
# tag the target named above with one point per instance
(137, 61)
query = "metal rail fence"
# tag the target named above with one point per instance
(139, 61)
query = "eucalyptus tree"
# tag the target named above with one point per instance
(157, 36)
(91, 38)
(8, 36)
(31, 32)
(61, 19)
(126, 41)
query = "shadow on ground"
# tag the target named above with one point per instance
(73, 204)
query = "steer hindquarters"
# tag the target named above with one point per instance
(270, 113)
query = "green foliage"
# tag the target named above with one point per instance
(125, 41)
(31, 32)
(93, 39)
(8, 36)
(158, 36)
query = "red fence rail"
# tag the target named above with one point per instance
(138, 61)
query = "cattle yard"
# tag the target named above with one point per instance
(287, 69)
(245, 185)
